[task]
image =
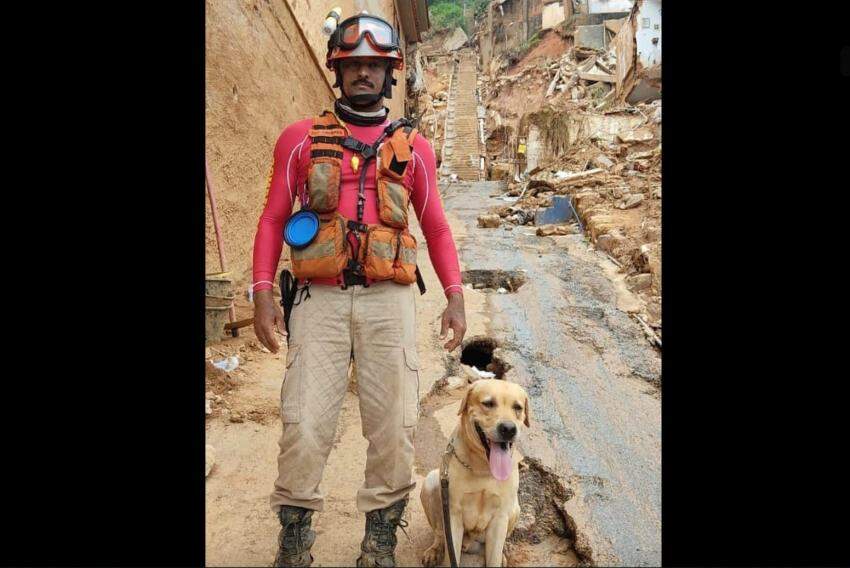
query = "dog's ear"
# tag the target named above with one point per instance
(465, 402)
(527, 419)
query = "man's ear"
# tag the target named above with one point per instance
(465, 402)
(527, 419)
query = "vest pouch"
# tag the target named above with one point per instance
(381, 246)
(326, 256)
(393, 201)
(388, 164)
(323, 179)
(404, 267)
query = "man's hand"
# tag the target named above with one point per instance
(267, 317)
(454, 317)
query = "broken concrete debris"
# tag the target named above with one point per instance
(637, 135)
(549, 230)
(602, 161)
(609, 242)
(489, 221)
(632, 200)
(456, 40)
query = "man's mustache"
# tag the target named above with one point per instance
(364, 82)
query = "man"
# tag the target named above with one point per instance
(357, 171)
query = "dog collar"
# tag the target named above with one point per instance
(451, 449)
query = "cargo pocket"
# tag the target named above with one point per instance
(380, 253)
(290, 391)
(411, 387)
(404, 268)
(323, 179)
(393, 201)
(326, 256)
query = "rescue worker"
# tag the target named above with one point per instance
(356, 298)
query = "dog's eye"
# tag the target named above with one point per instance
(488, 403)
(517, 407)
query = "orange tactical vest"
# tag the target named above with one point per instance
(386, 251)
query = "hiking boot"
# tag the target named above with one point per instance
(378, 546)
(295, 537)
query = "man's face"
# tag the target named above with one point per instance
(363, 75)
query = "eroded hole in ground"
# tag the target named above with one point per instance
(507, 280)
(541, 500)
(478, 353)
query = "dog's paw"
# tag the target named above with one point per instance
(433, 556)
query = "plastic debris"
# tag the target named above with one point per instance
(228, 364)
(484, 374)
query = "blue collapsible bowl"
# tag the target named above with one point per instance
(301, 229)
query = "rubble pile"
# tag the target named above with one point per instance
(615, 189)
(572, 125)
(561, 127)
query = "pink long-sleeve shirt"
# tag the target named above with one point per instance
(289, 174)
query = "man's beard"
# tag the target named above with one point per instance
(364, 101)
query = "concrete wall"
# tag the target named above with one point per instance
(608, 6)
(649, 28)
(260, 77)
(553, 14)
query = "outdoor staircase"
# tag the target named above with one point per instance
(462, 149)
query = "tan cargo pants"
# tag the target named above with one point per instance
(376, 326)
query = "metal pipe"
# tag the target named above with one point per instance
(218, 238)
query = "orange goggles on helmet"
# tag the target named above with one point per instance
(381, 40)
(350, 33)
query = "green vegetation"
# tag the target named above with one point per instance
(479, 7)
(447, 14)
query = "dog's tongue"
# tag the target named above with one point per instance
(500, 462)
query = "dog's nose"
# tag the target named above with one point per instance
(507, 430)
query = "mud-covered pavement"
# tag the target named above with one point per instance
(590, 485)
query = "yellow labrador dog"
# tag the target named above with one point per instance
(483, 474)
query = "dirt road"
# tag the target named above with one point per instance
(242, 531)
